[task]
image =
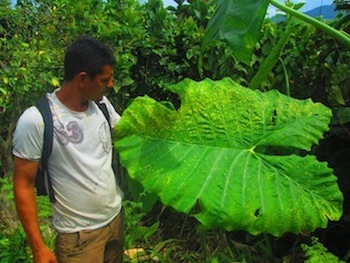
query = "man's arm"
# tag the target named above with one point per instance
(24, 180)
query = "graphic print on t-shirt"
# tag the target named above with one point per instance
(72, 133)
(68, 129)
(105, 137)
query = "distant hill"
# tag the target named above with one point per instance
(326, 12)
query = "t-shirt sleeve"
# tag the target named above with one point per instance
(113, 115)
(28, 135)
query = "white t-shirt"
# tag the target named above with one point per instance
(87, 195)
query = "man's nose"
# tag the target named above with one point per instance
(110, 84)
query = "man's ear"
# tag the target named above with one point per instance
(82, 76)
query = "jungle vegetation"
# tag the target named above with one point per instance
(234, 142)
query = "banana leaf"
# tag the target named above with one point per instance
(239, 23)
(232, 157)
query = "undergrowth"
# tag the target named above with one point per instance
(163, 235)
(317, 253)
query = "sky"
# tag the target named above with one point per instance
(309, 5)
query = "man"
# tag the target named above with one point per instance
(87, 211)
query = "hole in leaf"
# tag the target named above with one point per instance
(273, 119)
(257, 212)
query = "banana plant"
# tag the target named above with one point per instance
(239, 22)
(232, 157)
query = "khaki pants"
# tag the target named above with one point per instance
(96, 246)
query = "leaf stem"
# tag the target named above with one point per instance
(336, 34)
(286, 77)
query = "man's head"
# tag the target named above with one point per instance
(86, 55)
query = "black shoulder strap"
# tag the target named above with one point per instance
(43, 106)
(103, 108)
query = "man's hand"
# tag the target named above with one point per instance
(44, 255)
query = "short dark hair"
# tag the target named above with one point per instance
(86, 55)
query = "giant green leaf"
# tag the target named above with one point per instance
(230, 156)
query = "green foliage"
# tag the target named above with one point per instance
(45, 216)
(13, 248)
(231, 156)
(44, 207)
(11, 232)
(317, 253)
(271, 60)
(237, 34)
(136, 193)
(156, 47)
(13, 245)
(238, 22)
(8, 218)
(135, 232)
(344, 39)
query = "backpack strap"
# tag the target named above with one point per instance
(103, 108)
(43, 106)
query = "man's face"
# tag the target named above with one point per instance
(97, 86)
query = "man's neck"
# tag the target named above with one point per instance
(69, 95)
